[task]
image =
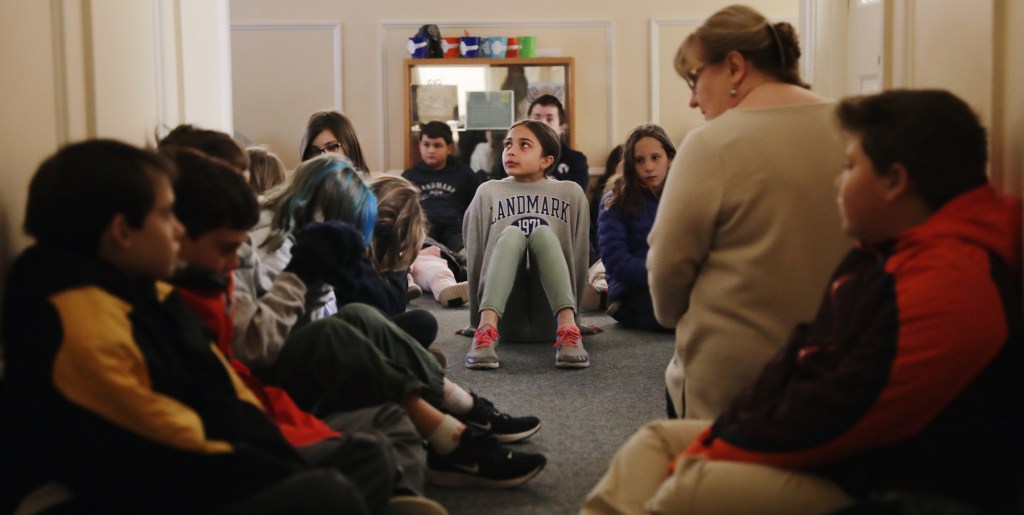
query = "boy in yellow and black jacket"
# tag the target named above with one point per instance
(112, 389)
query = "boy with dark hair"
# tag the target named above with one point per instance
(447, 186)
(908, 378)
(218, 207)
(112, 389)
(210, 142)
(572, 164)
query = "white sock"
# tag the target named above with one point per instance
(446, 437)
(457, 400)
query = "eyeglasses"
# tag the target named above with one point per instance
(330, 147)
(692, 76)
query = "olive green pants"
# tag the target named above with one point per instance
(546, 259)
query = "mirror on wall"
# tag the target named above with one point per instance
(477, 97)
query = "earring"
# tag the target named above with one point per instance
(732, 92)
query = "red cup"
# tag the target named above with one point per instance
(450, 47)
(513, 47)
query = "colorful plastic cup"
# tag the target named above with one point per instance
(527, 46)
(469, 46)
(494, 47)
(450, 47)
(417, 47)
(513, 47)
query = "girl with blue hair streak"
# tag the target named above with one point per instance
(325, 188)
(328, 189)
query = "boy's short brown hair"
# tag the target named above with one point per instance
(934, 134)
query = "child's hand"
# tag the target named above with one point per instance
(590, 329)
(323, 250)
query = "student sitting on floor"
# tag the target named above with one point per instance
(398, 242)
(325, 189)
(446, 185)
(908, 378)
(217, 207)
(530, 231)
(626, 214)
(113, 390)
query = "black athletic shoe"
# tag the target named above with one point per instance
(503, 427)
(480, 461)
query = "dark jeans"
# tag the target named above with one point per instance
(448, 233)
(403, 442)
(367, 459)
(418, 323)
(635, 310)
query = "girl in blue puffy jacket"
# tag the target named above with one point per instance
(625, 216)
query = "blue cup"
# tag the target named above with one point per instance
(417, 47)
(494, 47)
(469, 46)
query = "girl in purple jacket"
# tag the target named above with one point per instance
(625, 216)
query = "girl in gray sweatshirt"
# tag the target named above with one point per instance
(527, 250)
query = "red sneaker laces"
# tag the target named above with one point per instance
(485, 337)
(568, 335)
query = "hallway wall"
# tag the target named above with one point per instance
(122, 68)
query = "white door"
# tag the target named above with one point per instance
(864, 51)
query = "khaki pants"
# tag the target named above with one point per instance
(638, 481)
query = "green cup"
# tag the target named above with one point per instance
(527, 46)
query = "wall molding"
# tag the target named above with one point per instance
(336, 51)
(60, 72)
(808, 36)
(655, 52)
(413, 26)
(167, 50)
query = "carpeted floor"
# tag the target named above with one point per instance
(585, 414)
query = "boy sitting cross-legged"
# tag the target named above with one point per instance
(217, 206)
(446, 188)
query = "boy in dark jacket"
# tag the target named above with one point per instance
(908, 378)
(446, 185)
(113, 390)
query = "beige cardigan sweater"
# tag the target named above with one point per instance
(746, 235)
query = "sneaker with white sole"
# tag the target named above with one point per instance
(413, 505)
(454, 295)
(480, 461)
(569, 351)
(481, 355)
(503, 427)
(414, 292)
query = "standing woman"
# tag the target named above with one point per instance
(744, 239)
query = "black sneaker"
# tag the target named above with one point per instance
(480, 461)
(503, 427)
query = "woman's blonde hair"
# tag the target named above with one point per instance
(401, 224)
(772, 48)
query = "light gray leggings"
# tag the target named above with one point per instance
(546, 258)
